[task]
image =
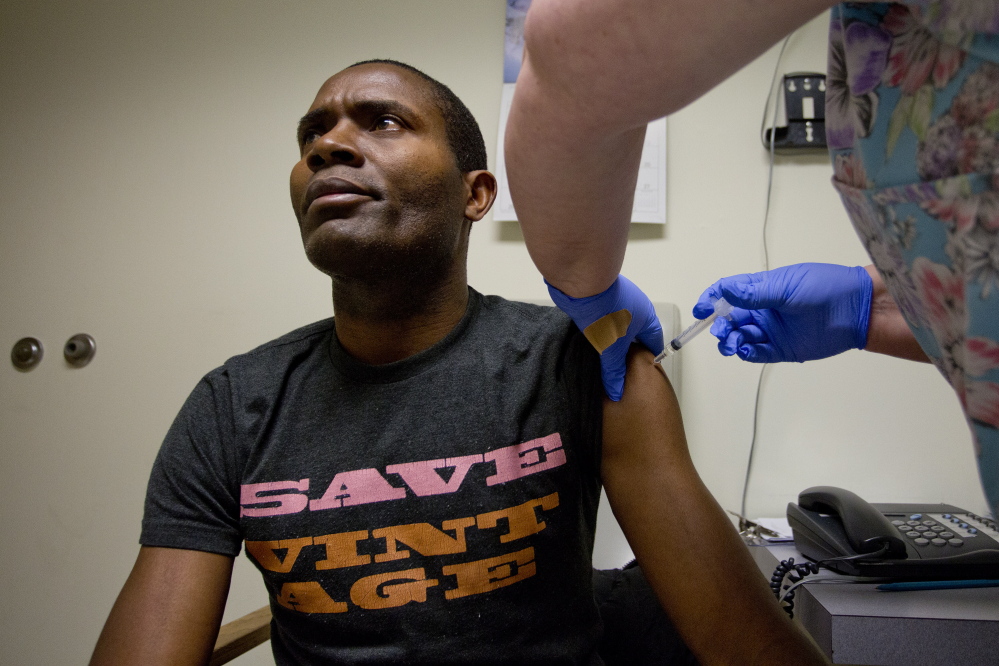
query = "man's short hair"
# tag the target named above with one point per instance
(463, 134)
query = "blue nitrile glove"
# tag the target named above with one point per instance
(611, 321)
(794, 313)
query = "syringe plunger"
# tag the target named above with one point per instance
(722, 309)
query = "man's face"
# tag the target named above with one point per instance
(377, 191)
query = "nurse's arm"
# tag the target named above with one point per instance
(595, 72)
(887, 331)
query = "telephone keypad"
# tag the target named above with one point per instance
(926, 532)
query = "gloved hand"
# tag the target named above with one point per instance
(794, 313)
(611, 320)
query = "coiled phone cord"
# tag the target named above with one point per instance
(777, 581)
(785, 593)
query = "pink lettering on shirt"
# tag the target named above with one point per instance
(519, 460)
(362, 486)
(286, 503)
(424, 479)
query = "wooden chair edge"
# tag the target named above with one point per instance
(242, 635)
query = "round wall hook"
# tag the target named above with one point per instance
(26, 353)
(79, 350)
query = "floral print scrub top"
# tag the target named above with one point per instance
(912, 122)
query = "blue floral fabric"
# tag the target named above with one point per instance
(912, 122)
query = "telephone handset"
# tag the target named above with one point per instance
(912, 541)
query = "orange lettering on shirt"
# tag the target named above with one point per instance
(522, 520)
(309, 597)
(392, 589)
(424, 538)
(490, 574)
(341, 550)
(265, 553)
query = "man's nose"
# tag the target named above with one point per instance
(337, 146)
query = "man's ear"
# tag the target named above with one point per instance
(481, 194)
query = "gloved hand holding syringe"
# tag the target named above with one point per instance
(722, 309)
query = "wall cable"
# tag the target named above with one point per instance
(766, 253)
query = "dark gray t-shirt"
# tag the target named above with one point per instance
(432, 511)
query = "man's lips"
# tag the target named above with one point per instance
(334, 191)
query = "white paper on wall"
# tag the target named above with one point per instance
(650, 192)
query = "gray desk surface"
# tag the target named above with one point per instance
(858, 624)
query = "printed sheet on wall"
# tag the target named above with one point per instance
(650, 193)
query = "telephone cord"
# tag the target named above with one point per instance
(796, 573)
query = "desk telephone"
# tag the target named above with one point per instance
(906, 541)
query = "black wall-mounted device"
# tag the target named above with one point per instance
(805, 106)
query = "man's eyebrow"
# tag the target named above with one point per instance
(367, 107)
(377, 107)
(308, 120)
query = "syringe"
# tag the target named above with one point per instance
(722, 309)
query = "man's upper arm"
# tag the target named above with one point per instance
(595, 72)
(169, 610)
(193, 495)
(688, 549)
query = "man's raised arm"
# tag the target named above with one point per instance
(689, 551)
(595, 72)
(169, 610)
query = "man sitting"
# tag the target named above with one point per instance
(417, 480)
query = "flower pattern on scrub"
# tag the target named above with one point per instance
(912, 122)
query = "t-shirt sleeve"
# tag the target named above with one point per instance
(192, 500)
(584, 387)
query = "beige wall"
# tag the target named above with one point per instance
(145, 149)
